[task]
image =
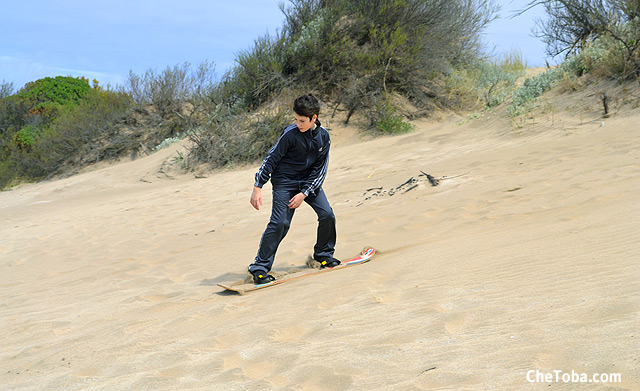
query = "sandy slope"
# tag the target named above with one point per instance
(527, 261)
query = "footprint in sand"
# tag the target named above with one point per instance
(455, 323)
(289, 334)
(235, 308)
(89, 372)
(161, 296)
(259, 370)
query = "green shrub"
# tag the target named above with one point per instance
(575, 65)
(613, 57)
(25, 138)
(175, 101)
(496, 81)
(388, 120)
(6, 89)
(258, 74)
(84, 132)
(355, 51)
(168, 90)
(13, 115)
(52, 92)
(7, 174)
(605, 33)
(352, 53)
(609, 54)
(81, 131)
(237, 138)
(523, 99)
(489, 82)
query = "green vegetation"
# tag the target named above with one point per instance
(484, 83)
(574, 27)
(237, 138)
(600, 38)
(365, 59)
(51, 122)
(50, 94)
(169, 90)
(524, 97)
(56, 125)
(353, 53)
(389, 120)
(6, 89)
(605, 33)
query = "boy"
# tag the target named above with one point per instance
(297, 166)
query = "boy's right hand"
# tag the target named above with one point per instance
(256, 197)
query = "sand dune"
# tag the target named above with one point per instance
(525, 257)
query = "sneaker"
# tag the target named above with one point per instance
(262, 278)
(328, 262)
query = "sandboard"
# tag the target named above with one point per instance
(244, 287)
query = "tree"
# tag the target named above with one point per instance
(572, 24)
(355, 51)
(6, 89)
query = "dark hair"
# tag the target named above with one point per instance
(307, 105)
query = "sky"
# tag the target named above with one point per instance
(104, 40)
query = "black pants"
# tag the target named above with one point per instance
(280, 221)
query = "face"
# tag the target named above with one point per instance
(305, 123)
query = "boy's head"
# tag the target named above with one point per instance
(307, 106)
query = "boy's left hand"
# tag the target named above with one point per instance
(296, 201)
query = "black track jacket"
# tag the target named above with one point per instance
(297, 158)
